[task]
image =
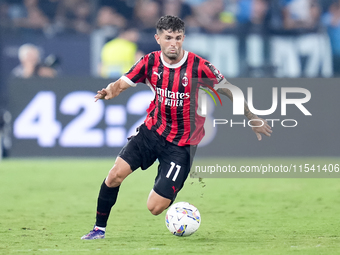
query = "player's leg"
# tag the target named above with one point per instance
(132, 156)
(109, 190)
(120, 170)
(156, 203)
(107, 197)
(174, 166)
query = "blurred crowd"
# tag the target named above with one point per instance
(134, 20)
(120, 31)
(53, 17)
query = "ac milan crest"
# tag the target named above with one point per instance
(185, 81)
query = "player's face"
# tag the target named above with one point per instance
(171, 44)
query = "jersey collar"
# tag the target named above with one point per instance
(177, 64)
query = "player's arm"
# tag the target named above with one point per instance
(112, 90)
(261, 125)
(227, 92)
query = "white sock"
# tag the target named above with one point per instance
(100, 228)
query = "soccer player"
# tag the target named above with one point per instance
(172, 128)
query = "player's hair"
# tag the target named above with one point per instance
(171, 23)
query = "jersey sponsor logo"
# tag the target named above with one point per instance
(171, 98)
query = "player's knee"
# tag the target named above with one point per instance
(115, 178)
(156, 210)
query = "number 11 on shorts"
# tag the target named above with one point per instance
(178, 167)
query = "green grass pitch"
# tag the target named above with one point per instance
(46, 205)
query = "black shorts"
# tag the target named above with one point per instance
(175, 161)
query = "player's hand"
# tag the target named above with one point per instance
(103, 94)
(262, 127)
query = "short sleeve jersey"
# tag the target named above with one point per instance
(173, 113)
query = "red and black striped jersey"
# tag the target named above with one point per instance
(173, 112)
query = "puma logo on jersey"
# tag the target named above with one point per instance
(174, 189)
(159, 75)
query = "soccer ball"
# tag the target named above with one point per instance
(182, 219)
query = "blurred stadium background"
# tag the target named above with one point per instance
(47, 113)
(84, 44)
